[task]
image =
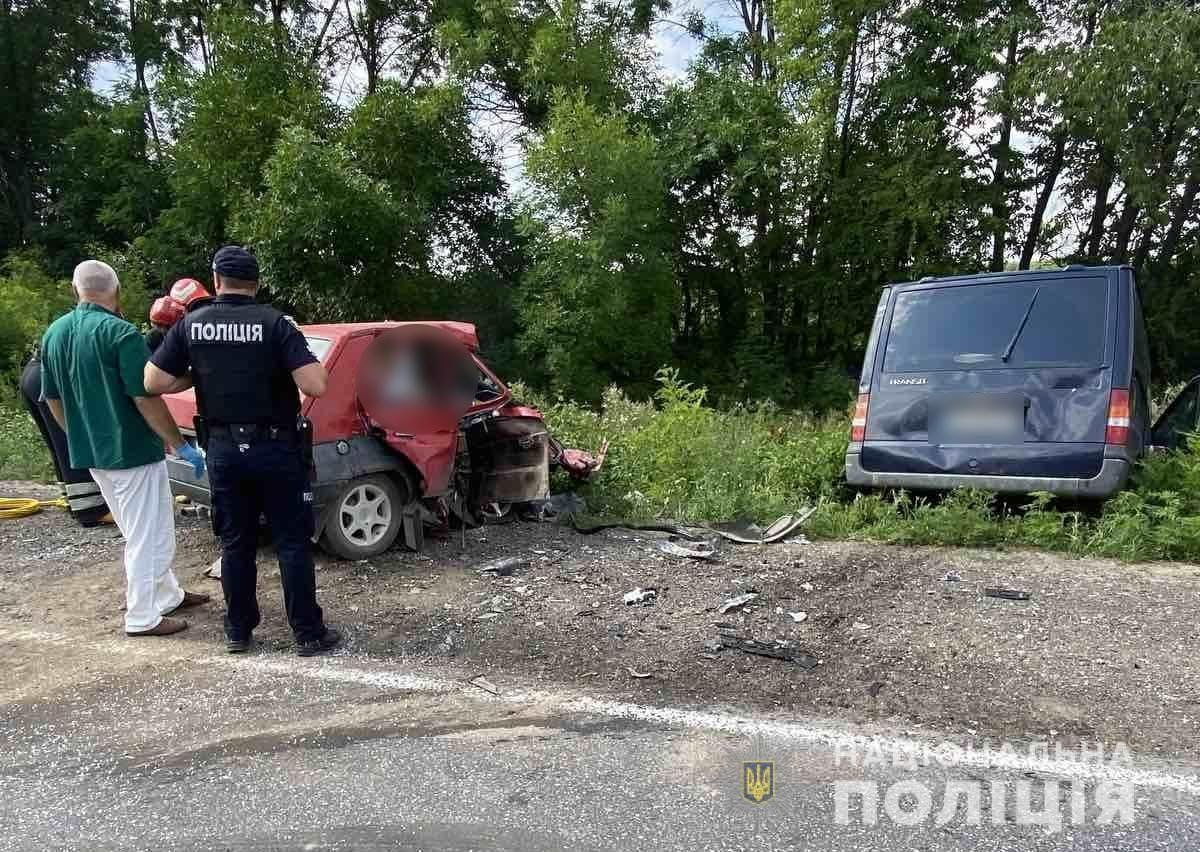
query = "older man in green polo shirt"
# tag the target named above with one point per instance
(92, 364)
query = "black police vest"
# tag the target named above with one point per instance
(236, 367)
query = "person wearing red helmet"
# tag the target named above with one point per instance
(185, 294)
(190, 293)
(164, 313)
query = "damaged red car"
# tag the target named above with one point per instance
(379, 473)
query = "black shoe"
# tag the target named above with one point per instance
(328, 641)
(237, 646)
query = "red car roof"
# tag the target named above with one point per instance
(464, 331)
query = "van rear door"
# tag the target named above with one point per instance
(996, 375)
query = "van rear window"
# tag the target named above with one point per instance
(973, 327)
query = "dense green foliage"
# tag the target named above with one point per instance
(540, 169)
(683, 460)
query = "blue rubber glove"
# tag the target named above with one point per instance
(190, 454)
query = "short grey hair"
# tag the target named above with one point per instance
(95, 276)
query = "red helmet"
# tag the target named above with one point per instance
(188, 290)
(165, 311)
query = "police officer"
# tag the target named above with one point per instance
(247, 361)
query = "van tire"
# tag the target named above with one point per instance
(365, 518)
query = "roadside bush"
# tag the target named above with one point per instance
(677, 457)
(23, 453)
(29, 299)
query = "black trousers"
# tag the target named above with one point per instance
(84, 499)
(247, 480)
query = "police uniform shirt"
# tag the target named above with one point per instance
(249, 352)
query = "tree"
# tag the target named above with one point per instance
(598, 300)
(46, 55)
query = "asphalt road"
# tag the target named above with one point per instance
(160, 744)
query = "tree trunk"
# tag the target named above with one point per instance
(852, 87)
(315, 54)
(1125, 223)
(137, 48)
(1003, 152)
(1053, 169)
(1089, 246)
(1183, 211)
(1145, 238)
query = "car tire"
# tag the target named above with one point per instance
(365, 519)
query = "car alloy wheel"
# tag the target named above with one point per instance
(365, 514)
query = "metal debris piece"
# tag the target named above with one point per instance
(636, 673)
(503, 567)
(676, 546)
(640, 596)
(736, 602)
(480, 682)
(861, 625)
(501, 603)
(952, 577)
(808, 587)
(774, 649)
(488, 615)
(1007, 594)
(746, 533)
(799, 617)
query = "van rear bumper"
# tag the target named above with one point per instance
(1111, 479)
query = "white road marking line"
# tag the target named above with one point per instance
(335, 670)
(827, 735)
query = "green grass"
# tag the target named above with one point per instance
(23, 453)
(681, 459)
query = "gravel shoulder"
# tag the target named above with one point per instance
(1101, 651)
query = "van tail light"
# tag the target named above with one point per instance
(858, 426)
(1117, 432)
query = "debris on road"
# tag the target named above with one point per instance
(480, 682)
(640, 596)
(952, 577)
(500, 604)
(565, 505)
(676, 546)
(808, 587)
(861, 625)
(579, 464)
(799, 617)
(739, 532)
(636, 673)
(747, 533)
(503, 567)
(776, 649)
(736, 602)
(1007, 594)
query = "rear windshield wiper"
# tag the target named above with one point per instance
(1008, 350)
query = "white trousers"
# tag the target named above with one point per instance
(141, 504)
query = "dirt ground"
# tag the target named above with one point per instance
(1101, 651)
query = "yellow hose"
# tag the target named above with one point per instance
(23, 507)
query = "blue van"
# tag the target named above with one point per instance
(1011, 382)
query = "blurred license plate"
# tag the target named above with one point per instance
(999, 421)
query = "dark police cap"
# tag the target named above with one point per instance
(236, 262)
